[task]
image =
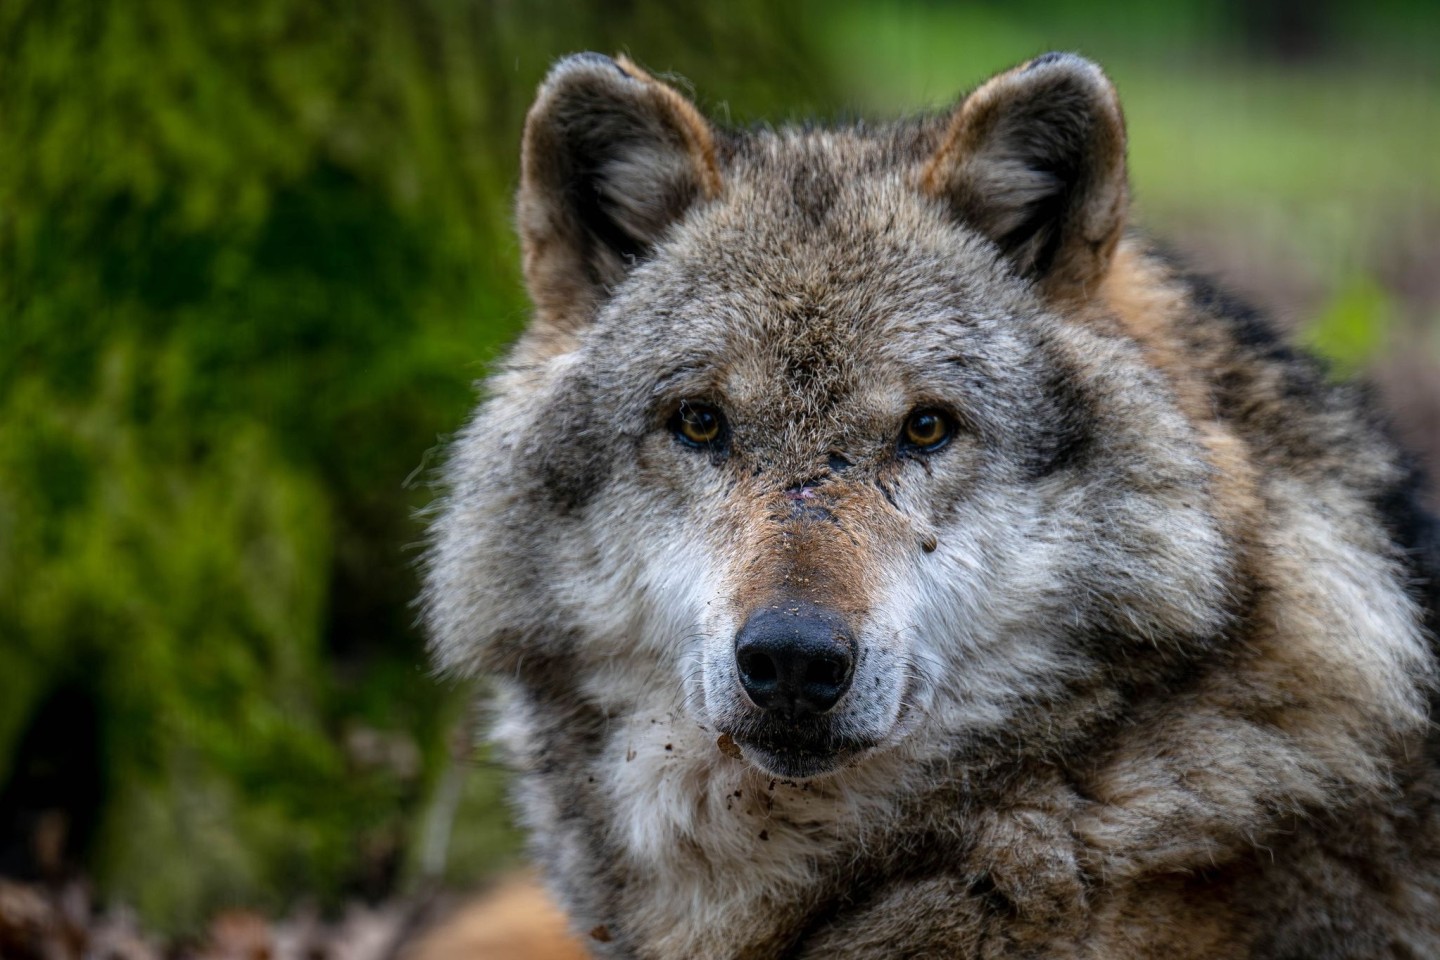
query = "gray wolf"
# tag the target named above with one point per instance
(878, 549)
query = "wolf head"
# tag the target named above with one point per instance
(820, 436)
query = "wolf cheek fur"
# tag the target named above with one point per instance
(877, 551)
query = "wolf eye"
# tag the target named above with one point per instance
(926, 431)
(698, 424)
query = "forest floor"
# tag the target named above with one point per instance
(510, 919)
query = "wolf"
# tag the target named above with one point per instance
(877, 548)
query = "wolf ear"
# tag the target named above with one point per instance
(611, 158)
(1035, 160)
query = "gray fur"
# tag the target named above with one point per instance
(1142, 668)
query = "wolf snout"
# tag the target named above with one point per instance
(795, 659)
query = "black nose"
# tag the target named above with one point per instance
(795, 658)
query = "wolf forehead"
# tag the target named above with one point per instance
(736, 286)
(819, 288)
(813, 225)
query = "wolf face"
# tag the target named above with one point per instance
(870, 542)
(820, 465)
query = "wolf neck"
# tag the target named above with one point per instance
(680, 850)
(697, 851)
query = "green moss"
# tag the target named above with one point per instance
(251, 259)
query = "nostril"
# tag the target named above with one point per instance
(758, 667)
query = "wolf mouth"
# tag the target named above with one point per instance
(797, 765)
(799, 749)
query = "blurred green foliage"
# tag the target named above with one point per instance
(251, 257)
(1322, 152)
(1354, 325)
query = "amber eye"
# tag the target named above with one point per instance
(926, 430)
(698, 424)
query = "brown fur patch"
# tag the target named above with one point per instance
(691, 125)
(824, 548)
(1150, 307)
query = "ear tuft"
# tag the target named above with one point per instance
(1035, 160)
(611, 159)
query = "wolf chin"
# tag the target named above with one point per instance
(877, 549)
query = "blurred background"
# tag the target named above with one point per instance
(253, 257)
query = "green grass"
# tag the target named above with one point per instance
(1329, 169)
(1202, 129)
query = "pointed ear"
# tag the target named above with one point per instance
(1035, 160)
(611, 159)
